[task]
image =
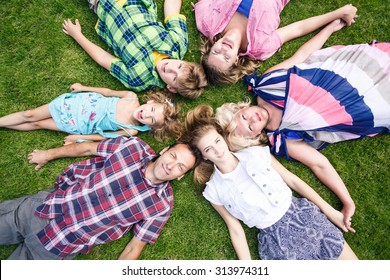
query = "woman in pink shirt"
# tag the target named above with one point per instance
(239, 33)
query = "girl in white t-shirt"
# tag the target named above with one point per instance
(252, 186)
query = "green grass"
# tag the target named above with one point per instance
(38, 62)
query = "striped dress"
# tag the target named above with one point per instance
(339, 93)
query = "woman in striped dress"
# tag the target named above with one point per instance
(314, 98)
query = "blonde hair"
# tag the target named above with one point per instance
(225, 118)
(194, 81)
(198, 122)
(171, 125)
(245, 65)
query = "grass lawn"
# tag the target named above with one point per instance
(38, 62)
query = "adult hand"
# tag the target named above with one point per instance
(40, 157)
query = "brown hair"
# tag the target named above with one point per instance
(225, 118)
(245, 65)
(194, 81)
(171, 125)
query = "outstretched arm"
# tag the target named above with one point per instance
(72, 138)
(102, 57)
(298, 185)
(104, 91)
(324, 171)
(237, 234)
(41, 157)
(300, 28)
(171, 7)
(133, 249)
(310, 46)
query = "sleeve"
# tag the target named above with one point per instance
(204, 11)
(108, 146)
(177, 30)
(149, 230)
(211, 194)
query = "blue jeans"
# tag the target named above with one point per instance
(19, 225)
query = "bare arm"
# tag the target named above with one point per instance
(298, 185)
(133, 249)
(325, 172)
(77, 87)
(310, 46)
(41, 157)
(72, 138)
(237, 234)
(297, 29)
(172, 7)
(102, 57)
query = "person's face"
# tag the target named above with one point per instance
(171, 71)
(251, 121)
(213, 147)
(150, 113)
(172, 164)
(223, 54)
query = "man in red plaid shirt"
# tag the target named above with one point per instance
(96, 201)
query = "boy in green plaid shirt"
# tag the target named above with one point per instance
(147, 53)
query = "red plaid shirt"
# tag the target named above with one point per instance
(98, 200)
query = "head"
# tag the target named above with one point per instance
(203, 133)
(161, 114)
(185, 78)
(221, 62)
(174, 162)
(243, 124)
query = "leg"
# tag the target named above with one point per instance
(347, 253)
(43, 124)
(23, 117)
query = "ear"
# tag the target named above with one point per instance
(172, 89)
(150, 101)
(236, 61)
(163, 150)
(179, 178)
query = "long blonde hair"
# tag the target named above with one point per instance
(245, 65)
(198, 122)
(225, 118)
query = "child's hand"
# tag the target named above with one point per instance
(71, 139)
(71, 29)
(77, 87)
(336, 25)
(349, 14)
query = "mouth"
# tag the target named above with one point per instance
(258, 117)
(228, 44)
(140, 115)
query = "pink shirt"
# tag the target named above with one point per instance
(212, 16)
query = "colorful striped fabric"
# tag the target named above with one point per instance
(340, 93)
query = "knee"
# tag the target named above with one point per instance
(28, 115)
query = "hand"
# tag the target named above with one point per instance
(349, 14)
(348, 211)
(77, 87)
(336, 25)
(71, 29)
(40, 157)
(71, 139)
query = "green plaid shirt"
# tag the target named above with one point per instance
(133, 32)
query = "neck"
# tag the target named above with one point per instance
(228, 165)
(238, 26)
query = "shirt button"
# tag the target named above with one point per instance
(229, 206)
(264, 185)
(253, 174)
(276, 202)
(268, 169)
(269, 193)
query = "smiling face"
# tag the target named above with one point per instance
(171, 71)
(224, 53)
(150, 113)
(172, 164)
(213, 147)
(251, 121)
